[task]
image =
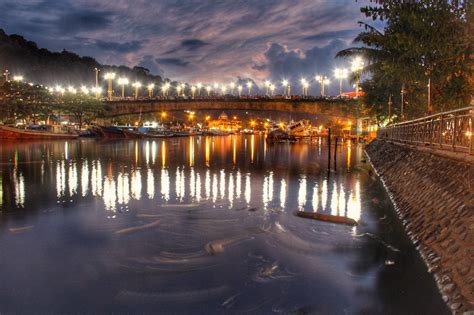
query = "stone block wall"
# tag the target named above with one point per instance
(434, 197)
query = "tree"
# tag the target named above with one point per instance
(422, 40)
(83, 107)
(24, 101)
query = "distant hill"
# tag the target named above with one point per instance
(39, 65)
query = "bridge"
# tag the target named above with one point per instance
(336, 108)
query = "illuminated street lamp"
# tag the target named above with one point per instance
(272, 89)
(109, 76)
(17, 78)
(304, 87)
(164, 89)
(123, 82)
(341, 74)
(286, 87)
(97, 91)
(356, 66)
(84, 89)
(150, 88)
(178, 90)
(323, 80)
(223, 89)
(97, 70)
(232, 87)
(6, 73)
(71, 90)
(183, 87)
(163, 116)
(208, 89)
(193, 91)
(137, 85)
(267, 86)
(239, 90)
(199, 87)
(249, 86)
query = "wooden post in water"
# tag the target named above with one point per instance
(335, 153)
(329, 149)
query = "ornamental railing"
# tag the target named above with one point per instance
(451, 130)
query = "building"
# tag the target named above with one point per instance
(224, 123)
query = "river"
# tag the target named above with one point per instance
(201, 225)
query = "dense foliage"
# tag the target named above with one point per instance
(34, 103)
(42, 66)
(421, 40)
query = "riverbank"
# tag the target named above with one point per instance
(433, 195)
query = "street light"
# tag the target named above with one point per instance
(193, 90)
(71, 89)
(17, 78)
(267, 86)
(6, 73)
(223, 89)
(183, 86)
(123, 82)
(178, 90)
(239, 90)
(109, 76)
(286, 87)
(356, 66)
(97, 70)
(304, 86)
(199, 87)
(341, 74)
(164, 89)
(272, 89)
(150, 88)
(208, 89)
(249, 86)
(97, 91)
(137, 85)
(323, 80)
(232, 87)
(84, 90)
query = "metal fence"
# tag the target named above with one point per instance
(451, 130)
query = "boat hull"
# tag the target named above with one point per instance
(11, 133)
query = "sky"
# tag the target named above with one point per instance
(196, 40)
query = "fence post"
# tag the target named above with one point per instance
(454, 132)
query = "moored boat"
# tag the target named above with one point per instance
(13, 133)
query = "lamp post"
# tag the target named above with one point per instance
(402, 94)
(123, 82)
(183, 87)
(6, 73)
(232, 87)
(223, 89)
(286, 88)
(97, 70)
(193, 91)
(430, 105)
(389, 108)
(267, 87)
(109, 76)
(357, 66)
(304, 87)
(199, 87)
(239, 90)
(164, 89)
(249, 86)
(150, 88)
(137, 85)
(323, 80)
(341, 74)
(178, 90)
(208, 89)
(17, 78)
(272, 90)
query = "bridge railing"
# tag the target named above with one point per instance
(452, 130)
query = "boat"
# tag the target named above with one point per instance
(13, 133)
(279, 136)
(109, 132)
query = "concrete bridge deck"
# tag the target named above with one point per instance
(339, 108)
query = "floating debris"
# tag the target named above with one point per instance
(326, 217)
(175, 297)
(218, 246)
(137, 228)
(20, 229)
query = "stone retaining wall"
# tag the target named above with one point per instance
(434, 197)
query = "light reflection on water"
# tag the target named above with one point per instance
(141, 226)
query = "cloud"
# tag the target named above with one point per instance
(83, 20)
(119, 47)
(172, 62)
(193, 43)
(149, 62)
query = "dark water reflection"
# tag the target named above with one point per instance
(200, 225)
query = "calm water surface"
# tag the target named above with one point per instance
(200, 225)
